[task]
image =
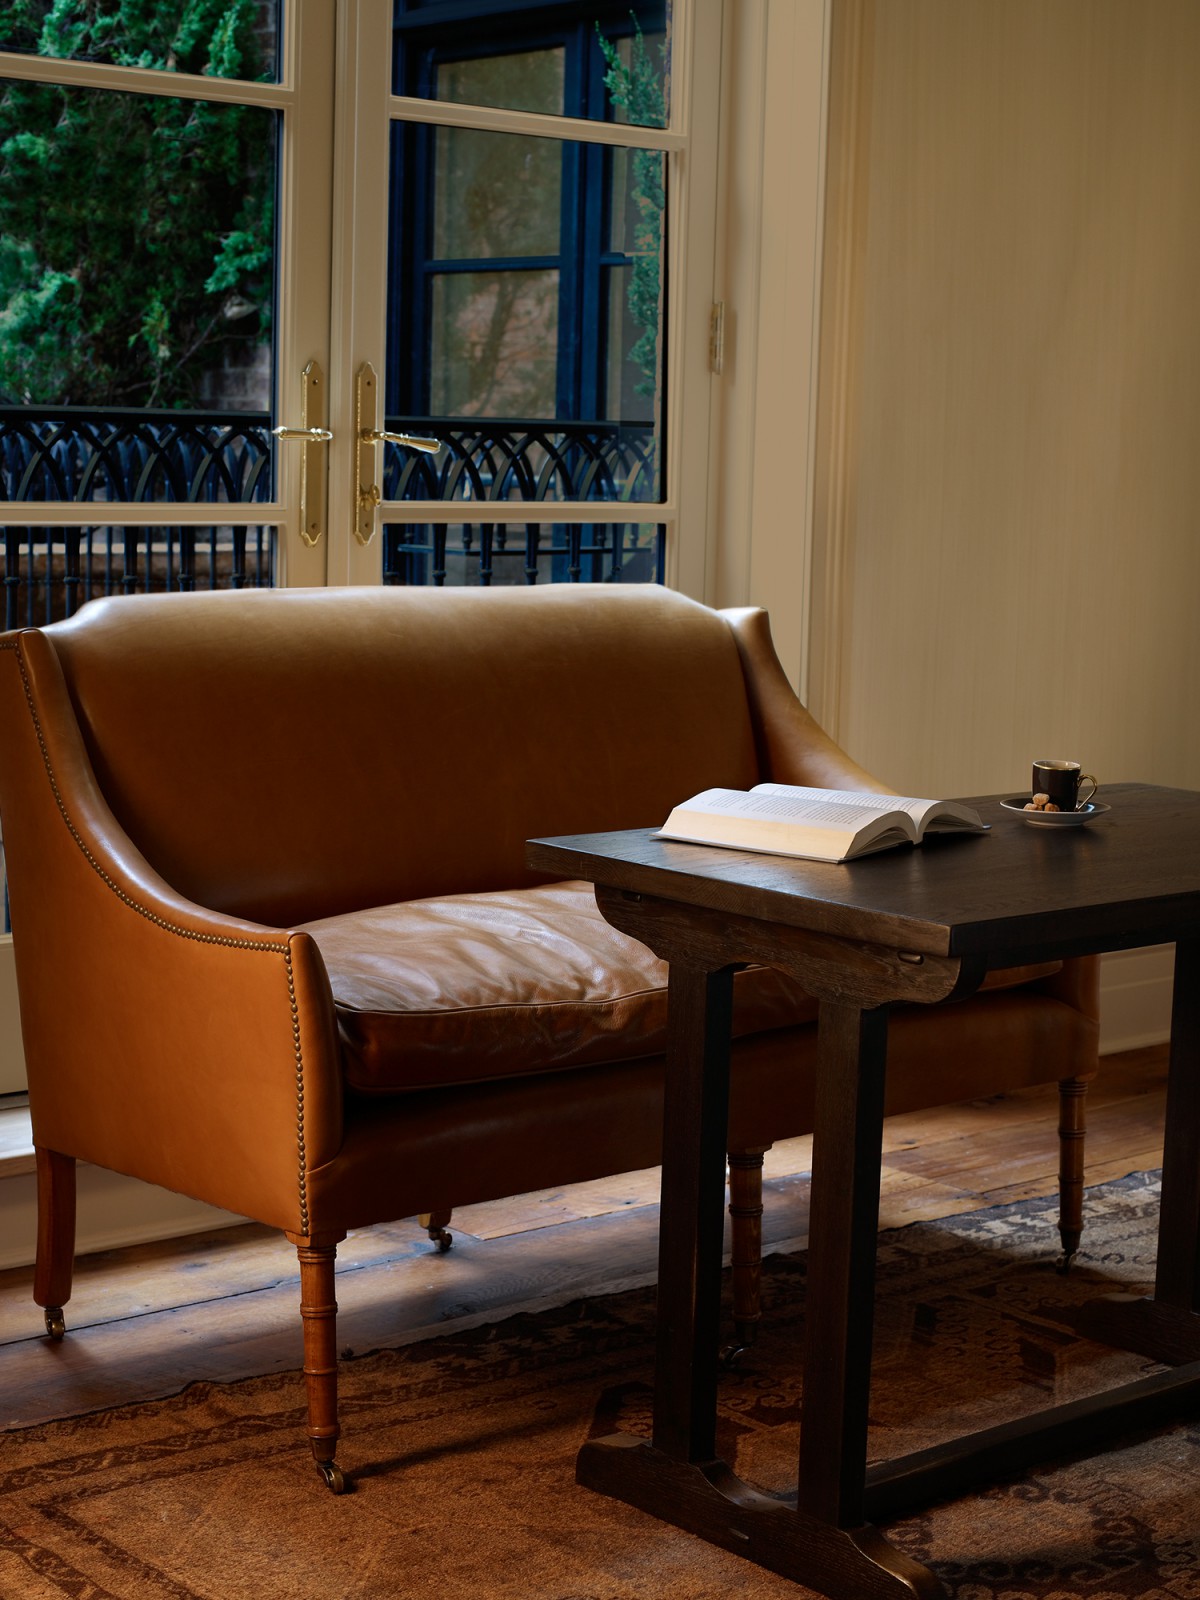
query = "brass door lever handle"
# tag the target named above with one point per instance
(314, 462)
(308, 435)
(367, 493)
(411, 441)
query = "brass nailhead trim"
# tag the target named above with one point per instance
(284, 949)
(302, 1174)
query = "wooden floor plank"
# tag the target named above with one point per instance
(145, 1321)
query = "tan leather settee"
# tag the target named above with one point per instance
(277, 947)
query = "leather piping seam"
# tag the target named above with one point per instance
(284, 949)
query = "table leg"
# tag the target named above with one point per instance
(823, 1541)
(1166, 1327)
(692, 1214)
(1177, 1281)
(842, 1241)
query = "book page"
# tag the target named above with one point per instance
(854, 805)
(858, 806)
(781, 802)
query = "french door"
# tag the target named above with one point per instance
(526, 269)
(458, 272)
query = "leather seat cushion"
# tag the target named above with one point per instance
(469, 987)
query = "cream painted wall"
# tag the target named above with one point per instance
(1008, 504)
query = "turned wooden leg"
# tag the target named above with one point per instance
(435, 1224)
(55, 1236)
(1072, 1130)
(318, 1308)
(745, 1215)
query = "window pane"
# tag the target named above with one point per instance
(621, 211)
(632, 356)
(136, 249)
(562, 319)
(527, 275)
(615, 57)
(50, 572)
(495, 337)
(489, 554)
(215, 38)
(522, 81)
(637, 79)
(498, 461)
(637, 204)
(497, 194)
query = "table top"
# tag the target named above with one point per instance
(1130, 877)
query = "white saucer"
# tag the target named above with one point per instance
(1055, 819)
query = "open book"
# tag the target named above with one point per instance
(818, 824)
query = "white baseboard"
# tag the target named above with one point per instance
(1135, 1011)
(1135, 998)
(113, 1211)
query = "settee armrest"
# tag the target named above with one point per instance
(792, 746)
(163, 1039)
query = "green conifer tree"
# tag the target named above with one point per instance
(135, 230)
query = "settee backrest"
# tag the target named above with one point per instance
(290, 754)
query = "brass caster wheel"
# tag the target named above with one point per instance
(441, 1238)
(731, 1356)
(56, 1325)
(335, 1479)
(1064, 1263)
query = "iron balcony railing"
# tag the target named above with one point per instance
(140, 457)
(489, 465)
(495, 460)
(80, 458)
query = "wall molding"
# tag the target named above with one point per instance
(113, 1211)
(840, 320)
(1135, 998)
(768, 278)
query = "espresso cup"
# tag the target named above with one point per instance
(1060, 780)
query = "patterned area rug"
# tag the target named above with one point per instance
(463, 1450)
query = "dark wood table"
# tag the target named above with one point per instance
(917, 924)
